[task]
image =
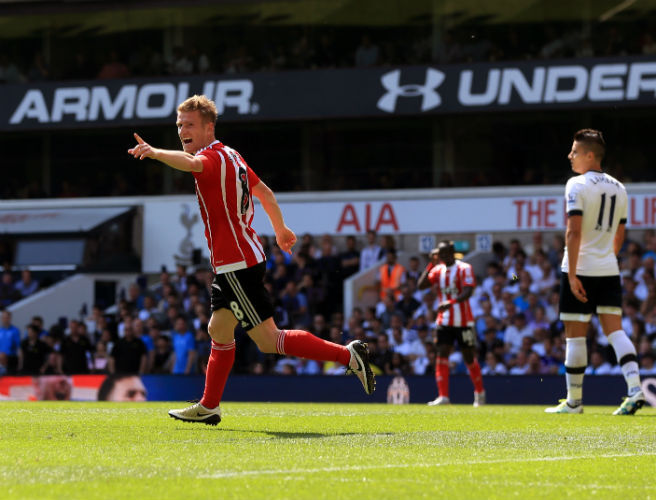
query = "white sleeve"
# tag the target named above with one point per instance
(624, 209)
(574, 197)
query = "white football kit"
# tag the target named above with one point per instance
(602, 201)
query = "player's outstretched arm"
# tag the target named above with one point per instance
(423, 282)
(175, 159)
(285, 237)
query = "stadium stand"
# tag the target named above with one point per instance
(517, 324)
(54, 49)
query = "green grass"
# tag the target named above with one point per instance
(315, 451)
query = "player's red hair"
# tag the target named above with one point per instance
(200, 103)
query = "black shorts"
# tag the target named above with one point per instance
(604, 297)
(465, 335)
(244, 294)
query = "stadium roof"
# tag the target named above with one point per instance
(24, 18)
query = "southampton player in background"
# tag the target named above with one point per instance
(596, 218)
(454, 283)
(225, 186)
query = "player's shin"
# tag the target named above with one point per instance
(442, 376)
(222, 357)
(626, 356)
(305, 345)
(474, 370)
(576, 360)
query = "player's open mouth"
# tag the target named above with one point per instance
(186, 141)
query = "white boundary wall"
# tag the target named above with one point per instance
(172, 225)
(64, 298)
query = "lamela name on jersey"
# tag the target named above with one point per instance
(603, 203)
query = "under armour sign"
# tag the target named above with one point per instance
(427, 91)
(338, 93)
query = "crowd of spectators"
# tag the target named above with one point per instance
(13, 289)
(163, 328)
(313, 48)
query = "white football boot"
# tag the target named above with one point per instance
(631, 404)
(441, 400)
(564, 407)
(359, 365)
(479, 399)
(197, 413)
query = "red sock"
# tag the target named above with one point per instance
(305, 345)
(475, 375)
(222, 357)
(442, 376)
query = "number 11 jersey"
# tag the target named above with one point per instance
(602, 202)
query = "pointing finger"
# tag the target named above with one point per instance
(139, 139)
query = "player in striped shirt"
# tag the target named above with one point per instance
(453, 281)
(225, 186)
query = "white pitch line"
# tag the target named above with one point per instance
(541, 484)
(274, 472)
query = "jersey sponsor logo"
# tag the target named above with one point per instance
(427, 91)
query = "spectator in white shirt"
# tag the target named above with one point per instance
(598, 365)
(371, 253)
(27, 285)
(521, 364)
(493, 270)
(516, 332)
(546, 279)
(493, 365)
(647, 366)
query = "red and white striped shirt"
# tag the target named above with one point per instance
(451, 281)
(224, 192)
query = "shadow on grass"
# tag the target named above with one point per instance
(283, 434)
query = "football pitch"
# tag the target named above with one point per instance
(316, 451)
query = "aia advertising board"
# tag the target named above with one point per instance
(171, 230)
